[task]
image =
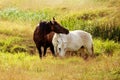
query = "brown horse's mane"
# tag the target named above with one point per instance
(44, 28)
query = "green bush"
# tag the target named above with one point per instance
(17, 49)
(105, 46)
(7, 44)
(105, 30)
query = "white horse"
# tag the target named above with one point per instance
(73, 41)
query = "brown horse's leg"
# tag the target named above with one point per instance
(39, 50)
(45, 48)
(52, 50)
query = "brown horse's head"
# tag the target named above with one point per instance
(56, 27)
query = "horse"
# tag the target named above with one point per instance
(43, 35)
(74, 41)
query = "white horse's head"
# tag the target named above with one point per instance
(61, 48)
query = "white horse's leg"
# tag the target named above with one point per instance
(83, 53)
(90, 50)
(55, 49)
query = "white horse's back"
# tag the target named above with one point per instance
(85, 37)
(78, 38)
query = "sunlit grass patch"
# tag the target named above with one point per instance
(15, 36)
(105, 46)
(7, 43)
(101, 67)
(15, 28)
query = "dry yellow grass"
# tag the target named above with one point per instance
(25, 67)
(41, 4)
(15, 28)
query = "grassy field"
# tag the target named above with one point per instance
(26, 67)
(18, 19)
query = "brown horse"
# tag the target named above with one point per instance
(43, 35)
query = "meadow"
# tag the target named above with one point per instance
(19, 58)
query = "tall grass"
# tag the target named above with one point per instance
(8, 44)
(14, 38)
(107, 31)
(14, 14)
(23, 66)
(106, 47)
(96, 22)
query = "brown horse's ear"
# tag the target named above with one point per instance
(53, 19)
(52, 22)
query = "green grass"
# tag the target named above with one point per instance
(24, 67)
(105, 47)
(14, 14)
(8, 43)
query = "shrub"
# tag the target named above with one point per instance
(105, 46)
(17, 48)
(7, 44)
